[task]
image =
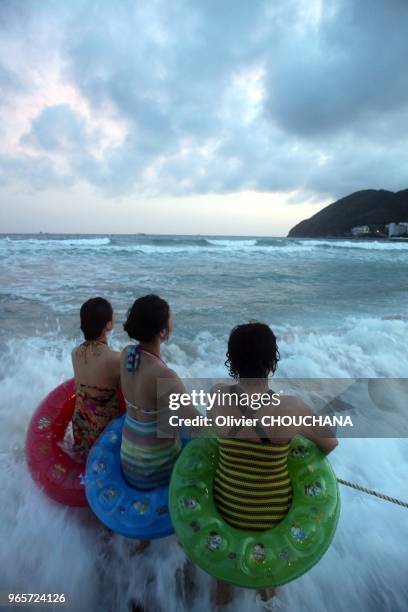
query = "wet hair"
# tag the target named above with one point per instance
(95, 314)
(252, 351)
(148, 316)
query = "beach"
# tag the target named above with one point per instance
(339, 309)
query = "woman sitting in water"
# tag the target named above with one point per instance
(252, 488)
(147, 460)
(97, 375)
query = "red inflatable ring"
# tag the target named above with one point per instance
(58, 474)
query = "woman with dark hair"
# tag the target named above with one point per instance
(252, 488)
(97, 375)
(147, 460)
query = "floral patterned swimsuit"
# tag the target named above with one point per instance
(94, 409)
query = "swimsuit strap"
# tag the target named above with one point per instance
(134, 354)
(144, 410)
(133, 359)
(144, 350)
(103, 389)
(262, 435)
(88, 342)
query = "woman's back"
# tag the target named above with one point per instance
(252, 488)
(97, 377)
(96, 365)
(139, 371)
(147, 459)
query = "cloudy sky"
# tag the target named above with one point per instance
(232, 117)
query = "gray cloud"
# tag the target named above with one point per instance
(57, 128)
(345, 76)
(37, 173)
(332, 119)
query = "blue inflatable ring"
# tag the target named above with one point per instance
(143, 515)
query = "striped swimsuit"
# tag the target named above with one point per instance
(252, 488)
(147, 461)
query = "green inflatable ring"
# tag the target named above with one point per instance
(255, 559)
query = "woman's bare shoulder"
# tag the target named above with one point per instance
(113, 356)
(75, 353)
(293, 404)
(162, 370)
(167, 380)
(123, 353)
(222, 387)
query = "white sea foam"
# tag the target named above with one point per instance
(369, 245)
(339, 310)
(231, 244)
(183, 245)
(366, 347)
(52, 243)
(46, 547)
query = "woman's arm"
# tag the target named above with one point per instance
(323, 436)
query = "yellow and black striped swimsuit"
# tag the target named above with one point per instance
(252, 488)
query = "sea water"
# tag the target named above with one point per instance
(339, 309)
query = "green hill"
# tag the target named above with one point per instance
(368, 207)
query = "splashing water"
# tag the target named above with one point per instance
(359, 329)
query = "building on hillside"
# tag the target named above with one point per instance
(360, 230)
(396, 230)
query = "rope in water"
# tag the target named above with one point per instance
(393, 500)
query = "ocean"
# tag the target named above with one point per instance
(339, 309)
